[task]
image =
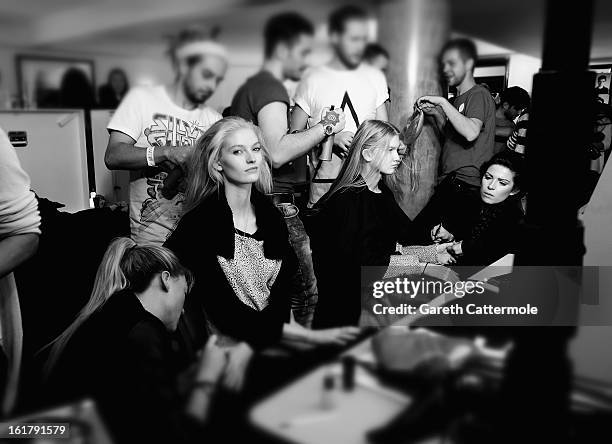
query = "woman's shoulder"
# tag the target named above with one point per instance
(512, 210)
(205, 217)
(346, 198)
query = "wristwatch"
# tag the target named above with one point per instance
(329, 121)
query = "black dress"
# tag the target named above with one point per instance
(487, 231)
(494, 234)
(207, 232)
(355, 228)
(122, 357)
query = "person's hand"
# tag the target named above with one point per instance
(441, 234)
(443, 257)
(212, 362)
(442, 247)
(180, 155)
(338, 123)
(342, 143)
(428, 102)
(334, 336)
(173, 183)
(238, 358)
(456, 249)
(441, 272)
(167, 166)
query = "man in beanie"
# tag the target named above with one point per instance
(153, 131)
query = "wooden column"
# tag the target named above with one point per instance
(414, 31)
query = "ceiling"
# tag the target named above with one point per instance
(519, 24)
(133, 27)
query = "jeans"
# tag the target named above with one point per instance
(304, 295)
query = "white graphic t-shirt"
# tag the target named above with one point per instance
(364, 89)
(148, 115)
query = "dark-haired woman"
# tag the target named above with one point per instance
(495, 216)
(115, 89)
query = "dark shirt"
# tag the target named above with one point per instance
(494, 234)
(257, 92)
(488, 232)
(467, 157)
(122, 357)
(208, 231)
(354, 228)
(500, 141)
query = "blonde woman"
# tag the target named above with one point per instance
(118, 351)
(236, 243)
(358, 223)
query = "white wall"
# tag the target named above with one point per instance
(521, 70)
(148, 69)
(139, 69)
(245, 59)
(521, 67)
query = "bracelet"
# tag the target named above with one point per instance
(150, 156)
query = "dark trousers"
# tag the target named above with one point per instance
(305, 295)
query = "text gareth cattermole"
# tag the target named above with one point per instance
(412, 288)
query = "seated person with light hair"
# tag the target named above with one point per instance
(119, 351)
(359, 223)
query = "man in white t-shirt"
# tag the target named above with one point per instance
(359, 89)
(19, 231)
(153, 131)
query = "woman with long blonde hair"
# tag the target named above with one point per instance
(359, 223)
(359, 170)
(119, 351)
(236, 243)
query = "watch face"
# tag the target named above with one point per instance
(329, 129)
(331, 117)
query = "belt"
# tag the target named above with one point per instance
(280, 198)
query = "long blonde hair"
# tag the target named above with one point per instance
(203, 179)
(125, 265)
(374, 135)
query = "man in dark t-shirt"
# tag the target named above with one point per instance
(258, 92)
(468, 122)
(264, 100)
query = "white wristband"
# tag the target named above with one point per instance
(150, 156)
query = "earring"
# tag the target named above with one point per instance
(219, 168)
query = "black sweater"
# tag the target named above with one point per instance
(355, 228)
(122, 357)
(494, 234)
(207, 232)
(488, 231)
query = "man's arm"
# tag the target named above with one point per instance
(285, 147)
(121, 155)
(299, 119)
(466, 126)
(15, 250)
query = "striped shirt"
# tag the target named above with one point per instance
(518, 139)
